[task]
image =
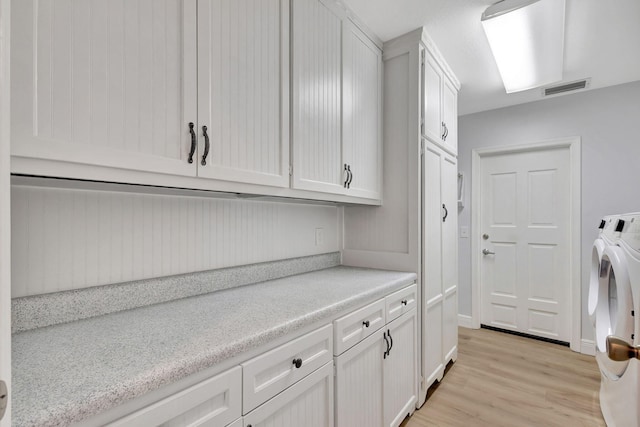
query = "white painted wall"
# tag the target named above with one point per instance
(69, 238)
(607, 120)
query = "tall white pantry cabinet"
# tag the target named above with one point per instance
(416, 228)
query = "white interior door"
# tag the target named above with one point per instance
(525, 228)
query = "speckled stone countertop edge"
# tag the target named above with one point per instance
(43, 310)
(159, 376)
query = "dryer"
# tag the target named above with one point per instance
(618, 301)
(606, 237)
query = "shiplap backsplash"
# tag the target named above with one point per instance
(66, 239)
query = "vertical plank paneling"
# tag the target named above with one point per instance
(241, 72)
(316, 96)
(104, 75)
(68, 239)
(44, 68)
(361, 101)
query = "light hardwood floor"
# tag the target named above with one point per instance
(510, 381)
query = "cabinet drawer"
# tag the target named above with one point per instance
(213, 402)
(354, 327)
(270, 373)
(401, 302)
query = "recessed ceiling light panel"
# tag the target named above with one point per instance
(527, 41)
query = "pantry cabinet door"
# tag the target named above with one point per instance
(362, 112)
(450, 116)
(316, 98)
(433, 127)
(243, 90)
(107, 83)
(450, 259)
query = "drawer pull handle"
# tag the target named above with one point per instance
(297, 362)
(403, 302)
(366, 323)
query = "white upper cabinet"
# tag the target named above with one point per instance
(362, 112)
(104, 83)
(450, 116)
(432, 99)
(243, 90)
(203, 94)
(337, 103)
(316, 100)
(439, 105)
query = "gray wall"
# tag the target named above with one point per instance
(607, 120)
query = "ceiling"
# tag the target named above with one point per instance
(602, 41)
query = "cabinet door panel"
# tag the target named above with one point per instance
(401, 370)
(309, 402)
(243, 90)
(316, 100)
(449, 259)
(362, 108)
(433, 213)
(104, 83)
(450, 114)
(359, 384)
(432, 99)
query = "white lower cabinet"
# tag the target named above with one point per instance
(376, 380)
(359, 390)
(307, 403)
(401, 369)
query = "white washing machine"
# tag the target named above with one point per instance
(618, 301)
(606, 237)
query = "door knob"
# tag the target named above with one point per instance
(487, 252)
(619, 350)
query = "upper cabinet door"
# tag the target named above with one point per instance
(362, 112)
(243, 90)
(316, 100)
(440, 106)
(104, 83)
(450, 116)
(433, 127)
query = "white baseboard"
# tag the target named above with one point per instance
(464, 321)
(588, 347)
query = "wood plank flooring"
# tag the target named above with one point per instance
(510, 381)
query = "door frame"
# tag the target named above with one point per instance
(574, 146)
(5, 207)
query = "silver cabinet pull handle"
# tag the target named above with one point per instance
(487, 252)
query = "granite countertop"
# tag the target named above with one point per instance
(68, 372)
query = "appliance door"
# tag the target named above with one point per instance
(594, 280)
(614, 308)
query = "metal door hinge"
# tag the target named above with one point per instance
(290, 170)
(4, 398)
(422, 147)
(423, 54)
